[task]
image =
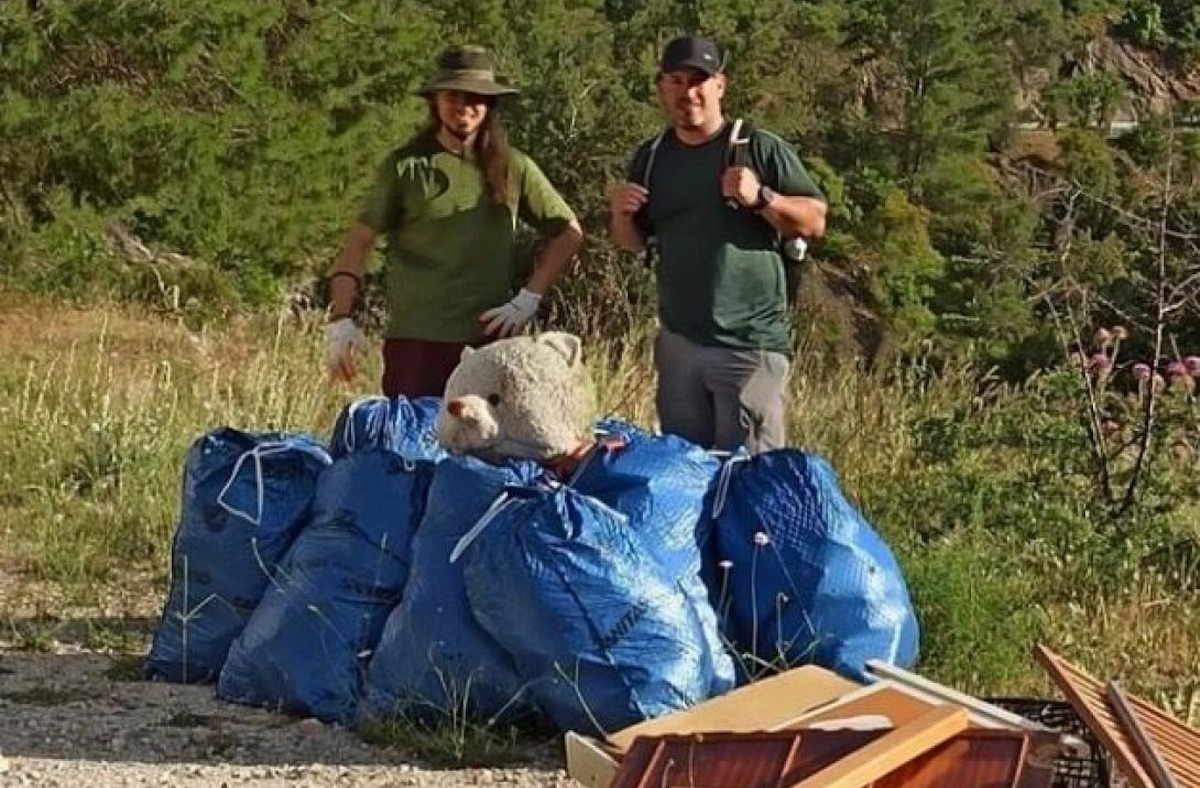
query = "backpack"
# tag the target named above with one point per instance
(737, 154)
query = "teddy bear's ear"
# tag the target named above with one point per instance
(568, 346)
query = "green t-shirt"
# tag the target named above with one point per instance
(720, 274)
(450, 248)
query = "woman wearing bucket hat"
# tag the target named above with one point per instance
(447, 202)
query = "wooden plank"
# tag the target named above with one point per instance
(1084, 694)
(891, 751)
(900, 703)
(1178, 743)
(735, 760)
(587, 761)
(979, 758)
(983, 714)
(884, 698)
(768, 704)
(1147, 752)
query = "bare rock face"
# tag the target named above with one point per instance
(1154, 85)
(1150, 76)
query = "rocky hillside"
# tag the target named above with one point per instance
(1151, 80)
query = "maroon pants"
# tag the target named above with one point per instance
(418, 368)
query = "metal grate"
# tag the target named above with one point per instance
(1072, 770)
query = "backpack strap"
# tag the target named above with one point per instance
(737, 146)
(651, 152)
(737, 149)
(643, 179)
(792, 250)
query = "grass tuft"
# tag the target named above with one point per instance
(984, 492)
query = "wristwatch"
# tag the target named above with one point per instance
(765, 195)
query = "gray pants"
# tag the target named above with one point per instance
(721, 398)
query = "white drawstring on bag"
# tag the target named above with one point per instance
(257, 453)
(723, 483)
(502, 501)
(350, 434)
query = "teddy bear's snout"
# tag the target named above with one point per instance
(464, 423)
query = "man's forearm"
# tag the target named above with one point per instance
(796, 216)
(555, 258)
(352, 262)
(625, 233)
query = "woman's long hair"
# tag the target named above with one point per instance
(491, 152)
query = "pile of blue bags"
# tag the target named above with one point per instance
(377, 576)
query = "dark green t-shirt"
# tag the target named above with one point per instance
(720, 274)
(450, 248)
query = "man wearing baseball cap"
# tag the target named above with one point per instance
(723, 351)
(447, 202)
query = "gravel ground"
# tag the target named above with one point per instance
(73, 714)
(72, 717)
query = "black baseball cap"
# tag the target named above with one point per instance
(696, 52)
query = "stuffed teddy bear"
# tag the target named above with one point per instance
(526, 396)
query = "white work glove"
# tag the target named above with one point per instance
(345, 341)
(510, 318)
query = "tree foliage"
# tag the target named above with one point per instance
(235, 137)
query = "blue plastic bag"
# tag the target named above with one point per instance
(405, 426)
(805, 578)
(662, 484)
(433, 661)
(306, 648)
(603, 636)
(245, 496)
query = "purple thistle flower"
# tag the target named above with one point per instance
(1193, 365)
(1100, 362)
(1177, 369)
(1141, 371)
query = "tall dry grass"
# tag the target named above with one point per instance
(100, 405)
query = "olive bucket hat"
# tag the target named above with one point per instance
(467, 68)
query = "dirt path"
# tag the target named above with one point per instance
(74, 717)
